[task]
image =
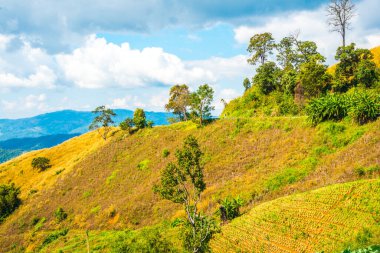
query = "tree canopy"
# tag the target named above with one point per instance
(103, 120)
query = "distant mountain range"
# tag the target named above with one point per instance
(50, 129)
(63, 122)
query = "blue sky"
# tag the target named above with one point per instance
(78, 54)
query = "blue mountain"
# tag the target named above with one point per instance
(63, 122)
(46, 130)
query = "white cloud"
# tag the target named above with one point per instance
(100, 64)
(23, 66)
(127, 102)
(30, 102)
(43, 77)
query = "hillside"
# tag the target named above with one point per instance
(63, 122)
(329, 219)
(259, 159)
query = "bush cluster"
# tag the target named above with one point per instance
(9, 200)
(361, 106)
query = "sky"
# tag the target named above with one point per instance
(79, 54)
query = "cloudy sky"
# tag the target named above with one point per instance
(78, 54)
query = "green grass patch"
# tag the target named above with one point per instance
(111, 177)
(95, 210)
(143, 165)
(285, 177)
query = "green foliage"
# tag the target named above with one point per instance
(126, 125)
(367, 73)
(41, 163)
(364, 107)
(165, 153)
(103, 120)
(370, 249)
(149, 124)
(182, 182)
(354, 68)
(139, 118)
(54, 236)
(361, 106)
(267, 77)
(200, 104)
(143, 165)
(60, 214)
(286, 177)
(313, 78)
(260, 46)
(9, 200)
(205, 227)
(179, 101)
(231, 207)
(246, 84)
(39, 224)
(288, 81)
(146, 241)
(330, 107)
(363, 171)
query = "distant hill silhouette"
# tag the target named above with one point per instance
(63, 122)
(47, 130)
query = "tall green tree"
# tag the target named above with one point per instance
(354, 66)
(201, 101)
(260, 46)
(103, 120)
(267, 77)
(307, 51)
(139, 119)
(287, 55)
(182, 182)
(314, 78)
(179, 101)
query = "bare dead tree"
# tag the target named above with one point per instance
(340, 13)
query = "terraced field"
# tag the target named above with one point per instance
(329, 219)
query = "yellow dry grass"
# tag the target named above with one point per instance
(259, 159)
(62, 157)
(330, 219)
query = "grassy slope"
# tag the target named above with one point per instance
(329, 219)
(258, 159)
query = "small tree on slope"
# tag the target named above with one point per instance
(183, 183)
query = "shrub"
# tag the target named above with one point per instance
(54, 236)
(364, 107)
(139, 118)
(330, 107)
(41, 163)
(126, 125)
(60, 214)
(144, 241)
(231, 208)
(149, 124)
(9, 200)
(143, 165)
(165, 153)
